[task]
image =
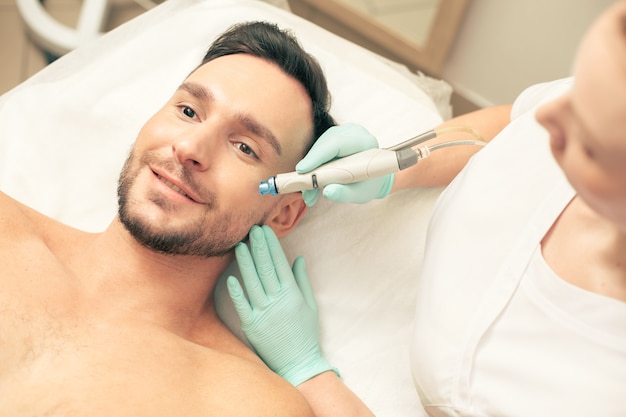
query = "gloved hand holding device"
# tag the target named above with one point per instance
(280, 317)
(338, 142)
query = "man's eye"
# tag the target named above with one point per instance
(246, 149)
(188, 111)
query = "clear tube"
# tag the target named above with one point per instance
(416, 140)
(424, 151)
(460, 128)
(456, 143)
(431, 134)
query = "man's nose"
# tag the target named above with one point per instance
(192, 149)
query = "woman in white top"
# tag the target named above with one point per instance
(522, 308)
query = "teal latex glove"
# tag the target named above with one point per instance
(338, 142)
(280, 318)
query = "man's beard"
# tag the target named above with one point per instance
(198, 238)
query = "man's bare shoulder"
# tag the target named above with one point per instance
(17, 219)
(251, 387)
(14, 214)
(17, 216)
(232, 378)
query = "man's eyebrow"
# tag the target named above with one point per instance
(196, 90)
(261, 131)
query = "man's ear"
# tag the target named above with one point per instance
(287, 214)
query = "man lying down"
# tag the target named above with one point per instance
(123, 322)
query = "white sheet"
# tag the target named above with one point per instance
(65, 133)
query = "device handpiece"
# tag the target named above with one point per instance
(357, 167)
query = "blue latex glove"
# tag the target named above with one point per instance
(280, 319)
(338, 142)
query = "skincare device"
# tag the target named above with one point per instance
(362, 165)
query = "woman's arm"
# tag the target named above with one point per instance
(444, 164)
(328, 396)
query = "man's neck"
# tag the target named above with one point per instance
(123, 277)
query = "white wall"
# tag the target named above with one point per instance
(505, 46)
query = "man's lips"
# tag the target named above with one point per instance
(179, 188)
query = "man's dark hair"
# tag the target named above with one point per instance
(269, 42)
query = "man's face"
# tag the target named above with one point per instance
(190, 185)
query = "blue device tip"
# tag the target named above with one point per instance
(268, 187)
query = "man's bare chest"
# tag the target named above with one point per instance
(59, 357)
(56, 363)
(65, 367)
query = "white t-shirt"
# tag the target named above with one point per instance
(497, 333)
